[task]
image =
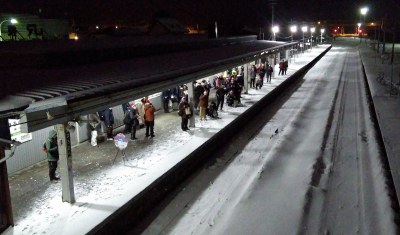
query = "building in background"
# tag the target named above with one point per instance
(32, 27)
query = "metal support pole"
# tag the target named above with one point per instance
(64, 150)
(6, 216)
(191, 103)
(246, 78)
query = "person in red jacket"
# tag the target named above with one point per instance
(149, 111)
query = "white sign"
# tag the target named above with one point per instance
(121, 141)
(15, 131)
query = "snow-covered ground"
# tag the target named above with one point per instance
(319, 174)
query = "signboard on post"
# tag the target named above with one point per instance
(121, 142)
(16, 133)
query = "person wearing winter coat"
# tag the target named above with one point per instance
(166, 95)
(140, 111)
(131, 121)
(197, 91)
(94, 121)
(270, 70)
(109, 122)
(220, 95)
(203, 103)
(52, 154)
(185, 111)
(281, 67)
(253, 74)
(149, 111)
(285, 66)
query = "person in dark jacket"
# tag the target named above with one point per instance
(270, 70)
(197, 91)
(109, 122)
(52, 154)
(220, 95)
(253, 74)
(134, 115)
(185, 112)
(166, 97)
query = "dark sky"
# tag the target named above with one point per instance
(256, 13)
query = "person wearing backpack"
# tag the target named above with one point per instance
(52, 154)
(131, 121)
(109, 122)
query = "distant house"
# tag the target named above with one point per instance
(166, 25)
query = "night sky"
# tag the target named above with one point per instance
(255, 13)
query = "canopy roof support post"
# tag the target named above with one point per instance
(6, 216)
(65, 153)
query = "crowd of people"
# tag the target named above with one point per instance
(227, 88)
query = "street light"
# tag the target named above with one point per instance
(312, 30)
(12, 21)
(293, 29)
(275, 29)
(363, 11)
(303, 29)
(322, 32)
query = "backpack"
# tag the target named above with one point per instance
(102, 115)
(127, 119)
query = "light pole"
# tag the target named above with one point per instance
(293, 29)
(12, 21)
(312, 30)
(363, 11)
(322, 32)
(303, 29)
(275, 29)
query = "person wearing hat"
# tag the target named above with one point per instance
(52, 154)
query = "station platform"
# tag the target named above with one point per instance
(384, 83)
(102, 186)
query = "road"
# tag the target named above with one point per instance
(310, 164)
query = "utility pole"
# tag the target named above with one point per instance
(272, 3)
(384, 35)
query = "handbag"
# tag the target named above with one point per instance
(187, 111)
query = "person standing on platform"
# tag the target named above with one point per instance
(220, 95)
(149, 111)
(109, 122)
(52, 154)
(270, 70)
(140, 111)
(281, 67)
(285, 66)
(166, 98)
(253, 74)
(94, 121)
(203, 103)
(185, 112)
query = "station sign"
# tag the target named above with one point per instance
(16, 133)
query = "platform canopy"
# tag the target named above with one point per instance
(48, 83)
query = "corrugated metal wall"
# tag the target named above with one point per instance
(30, 153)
